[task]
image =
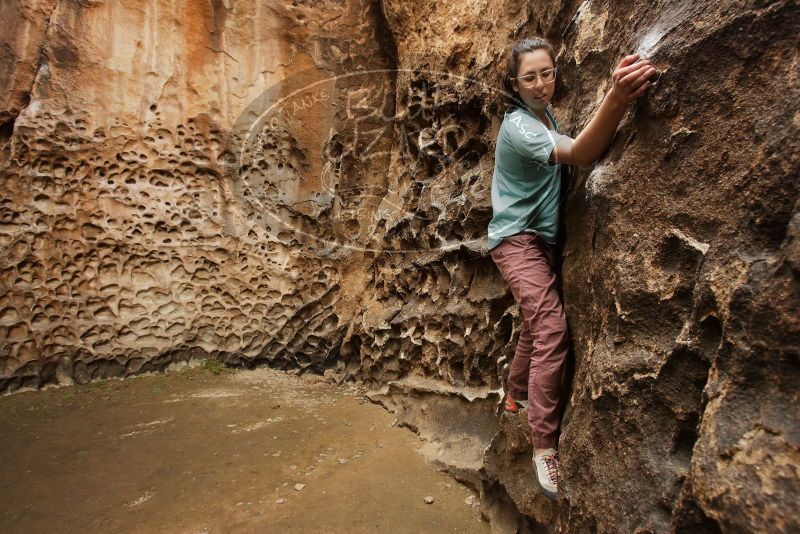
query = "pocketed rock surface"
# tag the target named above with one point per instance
(306, 185)
(191, 452)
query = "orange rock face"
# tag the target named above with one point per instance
(144, 220)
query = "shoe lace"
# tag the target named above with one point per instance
(551, 462)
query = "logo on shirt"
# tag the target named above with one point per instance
(523, 128)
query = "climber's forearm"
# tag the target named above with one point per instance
(630, 81)
(590, 144)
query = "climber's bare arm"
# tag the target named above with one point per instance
(631, 80)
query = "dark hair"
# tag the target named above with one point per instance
(512, 64)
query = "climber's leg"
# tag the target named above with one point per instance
(520, 365)
(526, 262)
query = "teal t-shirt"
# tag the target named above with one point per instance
(525, 185)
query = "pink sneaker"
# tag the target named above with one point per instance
(512, 405)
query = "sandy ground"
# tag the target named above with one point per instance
(194, 452)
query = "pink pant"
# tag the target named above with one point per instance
(526, 262)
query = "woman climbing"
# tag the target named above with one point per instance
(526, 187)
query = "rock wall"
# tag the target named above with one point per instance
(307, 184)
(684, 241)
(132, 235)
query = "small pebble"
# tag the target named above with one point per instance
(280, 501)
(429, 500)
(342, 460)
(298, 487)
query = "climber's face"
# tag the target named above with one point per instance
(535, 91)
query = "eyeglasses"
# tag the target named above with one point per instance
(529, 80)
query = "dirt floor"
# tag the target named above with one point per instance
(198, 452)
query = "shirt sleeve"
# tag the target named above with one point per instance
(531, 139)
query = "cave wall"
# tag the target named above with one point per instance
(683, 239)
(159, 206)
(144, 220)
